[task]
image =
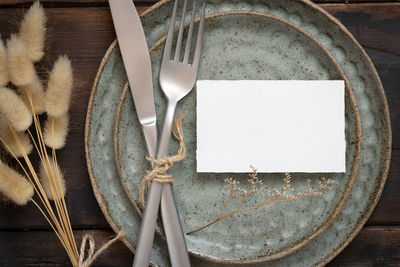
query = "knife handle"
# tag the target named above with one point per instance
(148, 226)
(178, 252)
(150, 136)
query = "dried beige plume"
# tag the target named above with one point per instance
(32, 31)
(33, 96)
(4, 78)
(14, 110)
(20, 67)
(59, 88)
(14, 186)
(56, 131)
(52, 179)
(10, 142)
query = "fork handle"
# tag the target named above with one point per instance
(172, 225)
(166, 130)
(149, 220)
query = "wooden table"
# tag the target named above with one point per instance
(83, 30)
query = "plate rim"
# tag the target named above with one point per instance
(386, 150)
(369, 208)
(350, 180)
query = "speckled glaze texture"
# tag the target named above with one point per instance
(375, 146)
(259, 47)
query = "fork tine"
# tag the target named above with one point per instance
(189, 37)
(199, 43)
(180, 34)
(170, 36)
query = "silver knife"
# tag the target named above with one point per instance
(135, 54)
(136, 58)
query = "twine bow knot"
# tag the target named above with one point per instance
(161, 166)
(91, 256)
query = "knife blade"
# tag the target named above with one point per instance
(136, 58)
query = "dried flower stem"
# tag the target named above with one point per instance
(270, 196)
(57, 216)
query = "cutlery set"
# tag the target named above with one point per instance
(177, 78)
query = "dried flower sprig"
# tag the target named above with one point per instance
(269, 196)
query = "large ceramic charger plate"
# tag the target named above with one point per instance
(242, 45)
(375, 147)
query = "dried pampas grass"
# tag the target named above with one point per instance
(52, 180)
(56, 131)
(32, 31)
(33, 96)
(14, 186)
(14, 110)
(16, 113)
(49, 184)
(59, 88)
(16, 143)
(20, 67)
(4, 78)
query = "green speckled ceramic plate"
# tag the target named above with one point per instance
(241, 45)
(375, 145)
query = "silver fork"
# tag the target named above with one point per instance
(177, 78)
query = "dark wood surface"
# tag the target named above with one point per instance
(84, 31)
(104, 2)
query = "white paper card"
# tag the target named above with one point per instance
(276, 126)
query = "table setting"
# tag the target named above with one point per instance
(238, 133)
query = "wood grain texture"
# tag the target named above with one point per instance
(377, 28)
(16, 249)
(66, 3)
(374, 246)
(84, 34)
(387, 210)
(58, 3)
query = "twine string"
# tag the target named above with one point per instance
(91, 255)
(161, 166)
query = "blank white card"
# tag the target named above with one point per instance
(276, 126)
